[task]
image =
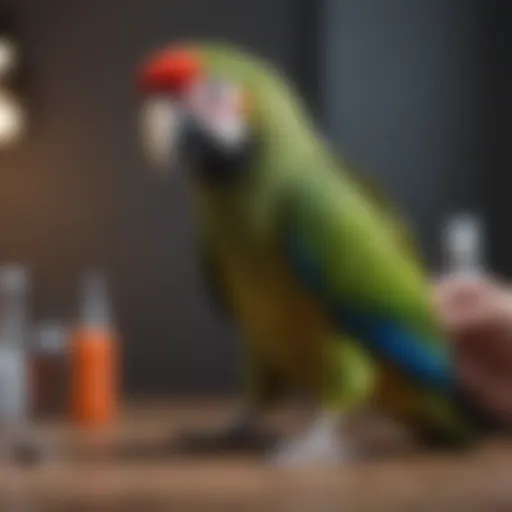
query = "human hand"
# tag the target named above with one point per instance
(477, 315)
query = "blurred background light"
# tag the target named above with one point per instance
(12, 118)
(8, 56)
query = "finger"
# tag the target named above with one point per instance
(457, 285)
(460, 298)
(463, 292)
(488, 314)
(475, 320)
(489, 324)
(487, 386)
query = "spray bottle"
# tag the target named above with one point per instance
(94, 358)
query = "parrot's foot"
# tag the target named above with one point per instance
(241, 435)
(322, 444)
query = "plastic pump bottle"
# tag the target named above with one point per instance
(94, 358)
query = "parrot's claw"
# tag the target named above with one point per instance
(322, 444)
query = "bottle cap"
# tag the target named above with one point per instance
(13, 304)
(13, 277)
(51, 337)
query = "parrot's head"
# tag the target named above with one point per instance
(212, 108)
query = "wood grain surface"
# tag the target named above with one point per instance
(135, 466)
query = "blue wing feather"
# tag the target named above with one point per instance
(424, 361)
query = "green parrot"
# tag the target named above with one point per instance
(313, 265)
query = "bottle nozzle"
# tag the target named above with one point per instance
(95, 301)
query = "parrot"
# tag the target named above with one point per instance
(314, 265)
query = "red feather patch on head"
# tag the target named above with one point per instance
(170, 71)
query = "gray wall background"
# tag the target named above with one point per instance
(409, 88)
(408, 91)
(77, 192)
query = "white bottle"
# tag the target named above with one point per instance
(463, 244)
(14, 376)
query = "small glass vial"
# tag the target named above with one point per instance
(50, 370)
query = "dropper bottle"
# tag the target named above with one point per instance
(464, 246)
(94, 358)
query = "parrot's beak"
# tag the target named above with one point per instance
(160, 127)
(162, 77)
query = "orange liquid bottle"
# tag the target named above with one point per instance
(94, 360)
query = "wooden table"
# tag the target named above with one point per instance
(129, 468)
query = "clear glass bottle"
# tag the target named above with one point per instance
(14, 374)
(463, 244)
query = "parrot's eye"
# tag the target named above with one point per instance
(216, 98)
(217, 107)
(219, 91)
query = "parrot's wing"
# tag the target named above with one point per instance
(375, 193)
(343, 253)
